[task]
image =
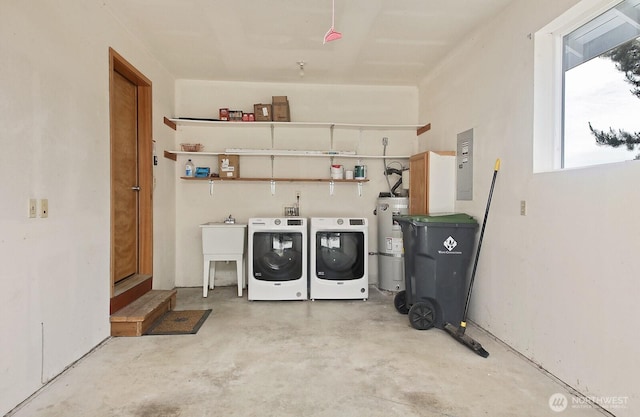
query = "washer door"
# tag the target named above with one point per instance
(277, 256)
(340, 255)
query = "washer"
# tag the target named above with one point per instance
(277, 258)
(338, 259)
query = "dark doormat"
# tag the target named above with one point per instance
(179, 322)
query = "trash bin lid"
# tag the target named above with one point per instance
(449, 218)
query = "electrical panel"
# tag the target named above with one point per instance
(464, 166)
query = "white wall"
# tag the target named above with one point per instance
(559, 284)
(54, 113)
(346, 104)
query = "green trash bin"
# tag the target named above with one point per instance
(437, 255)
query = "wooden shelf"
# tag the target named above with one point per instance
(172, 154)
(273, 152)
(273, 179)
(174, 122)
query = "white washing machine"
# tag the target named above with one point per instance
(338, 258)
(277, 257)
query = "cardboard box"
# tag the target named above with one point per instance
(262, 112)
(229, 166)
(281, 112)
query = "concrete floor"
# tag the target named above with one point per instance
(292, 358)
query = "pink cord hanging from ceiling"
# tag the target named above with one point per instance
(332, 35)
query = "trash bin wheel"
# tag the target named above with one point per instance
(422, 315)
(400, 302)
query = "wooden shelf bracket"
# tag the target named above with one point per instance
(423, 129)
(170, 123)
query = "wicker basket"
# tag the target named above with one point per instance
(191, 147)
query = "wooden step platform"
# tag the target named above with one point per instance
(135, 319)
(128, 290)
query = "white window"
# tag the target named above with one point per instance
(593, 96)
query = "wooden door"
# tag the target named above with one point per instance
(131, 182)
(124, 165)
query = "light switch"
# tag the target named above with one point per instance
(33, 208)
(44, 208)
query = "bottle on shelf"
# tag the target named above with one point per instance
(189, 170)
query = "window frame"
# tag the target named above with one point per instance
(548, 120)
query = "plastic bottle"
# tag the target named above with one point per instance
(188, 169)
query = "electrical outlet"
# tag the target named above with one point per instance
(523, 208)
(44, 208)
(33, 208)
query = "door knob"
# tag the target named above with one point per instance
(136, 188)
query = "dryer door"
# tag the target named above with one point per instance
(340, 255)
(277, 256)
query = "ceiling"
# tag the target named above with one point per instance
(383, 42)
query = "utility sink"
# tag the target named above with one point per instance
(222, 241)
(223, 238)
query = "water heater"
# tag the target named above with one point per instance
(390, 247)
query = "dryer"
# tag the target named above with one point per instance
(277, 257)
(338, 258)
